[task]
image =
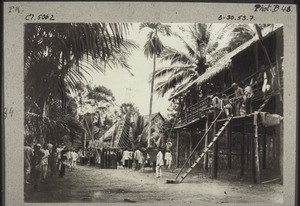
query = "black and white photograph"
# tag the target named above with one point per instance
(149, 103)
(150, 112)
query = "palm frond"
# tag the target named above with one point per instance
(175, 56)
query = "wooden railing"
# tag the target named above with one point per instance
(198, 109)
(194, 111)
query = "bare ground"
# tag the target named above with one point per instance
(91, 184)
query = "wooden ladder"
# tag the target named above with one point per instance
(206, 149)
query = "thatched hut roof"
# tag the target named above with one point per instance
(223, 63)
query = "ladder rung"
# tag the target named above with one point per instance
(205, 150)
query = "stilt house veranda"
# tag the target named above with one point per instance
(251, 144)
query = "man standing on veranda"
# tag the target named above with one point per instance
(239, 93)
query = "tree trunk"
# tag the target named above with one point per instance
(151, 99)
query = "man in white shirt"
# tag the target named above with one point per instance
(138, 159)
(159, 163)
(125, 158)
(45, 162)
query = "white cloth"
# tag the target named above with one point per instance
(45, 157)
(126, 155)
(59, 152)
(49, 147)
(248, 92)
(159, 159)
(130, 155)
(158, 171)
(217, 102)
(68, 154)
(74, 156)
(138, 156)
(168, 156)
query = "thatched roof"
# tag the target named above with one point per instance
(223, 63)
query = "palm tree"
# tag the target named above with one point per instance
(202, 51)
(153, 48)
(58, 55)
(67, 51)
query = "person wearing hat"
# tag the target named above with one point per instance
(238, 99)
(36, 166)
(159, 163)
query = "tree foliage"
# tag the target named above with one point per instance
(202, 50)
(56, 58)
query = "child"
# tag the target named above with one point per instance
(168, 158)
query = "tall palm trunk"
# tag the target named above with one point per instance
(45, 115)
(151, 100)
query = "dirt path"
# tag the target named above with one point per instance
(90, 184)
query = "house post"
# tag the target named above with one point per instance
(177, 149)
(215, 151)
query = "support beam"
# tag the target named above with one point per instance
(247, 151)
(256, 155)
(177, 149)
(264, 149)
(191, 149)
(229, 146)
(243, 149)
(281, 151)
(205, 159)
(84, 143)
(215, 152)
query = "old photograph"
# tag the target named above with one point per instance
(154, 112)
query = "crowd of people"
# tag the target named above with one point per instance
(237, 106)
(47, 161)
(142, 159)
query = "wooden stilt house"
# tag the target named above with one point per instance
(249, 142)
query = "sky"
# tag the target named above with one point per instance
(136, 89)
